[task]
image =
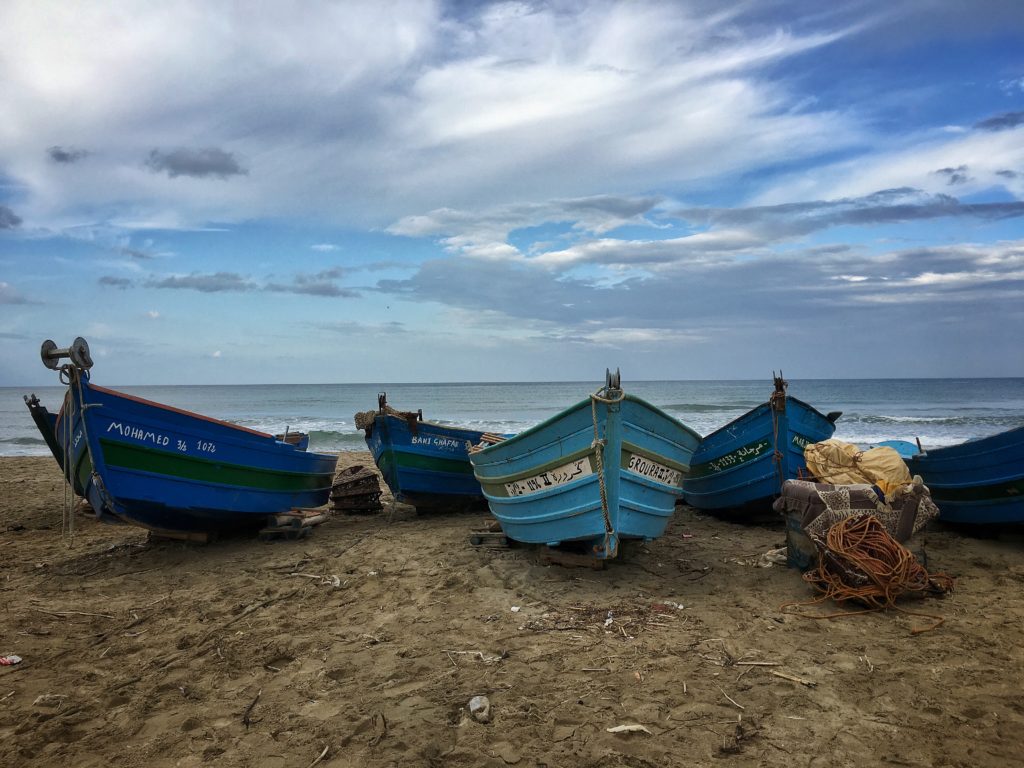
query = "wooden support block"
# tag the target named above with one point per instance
(550, 556)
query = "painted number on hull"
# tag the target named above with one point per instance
(553, 477)
(655, 471)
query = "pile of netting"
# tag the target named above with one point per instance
(860, 561)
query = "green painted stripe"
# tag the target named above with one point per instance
(495, 486)
(995, 492)
(142, 459)
(418, 461)
(628, 448)
(742, 455)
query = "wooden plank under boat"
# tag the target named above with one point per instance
(979, 482)
(608, 468)
(741, 466)
(163, 468)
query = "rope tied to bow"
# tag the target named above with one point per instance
(598, 444)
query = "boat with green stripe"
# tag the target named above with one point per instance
(606, 469)
(739, 469)
(424, 463)
(167, 469)
(978, 482)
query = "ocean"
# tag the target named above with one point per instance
(935, 411)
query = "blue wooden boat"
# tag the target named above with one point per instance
(740, 468)
(425, 464)
(609, 468)
(979, 482)
(166, 469)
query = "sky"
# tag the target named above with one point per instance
(320, 192)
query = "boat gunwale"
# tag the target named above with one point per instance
(758, 407)
(425, 422)
(179, 411)
(572, 409)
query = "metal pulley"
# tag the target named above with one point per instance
(78, 352)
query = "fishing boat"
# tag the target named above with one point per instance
(980, 482)
(425, 464)
(740, 467)
(169, 470)
(606, 469)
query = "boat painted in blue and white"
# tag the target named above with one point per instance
(740, 467)
(424, 463)
(166, 469)
(606, 469)
(979, 482)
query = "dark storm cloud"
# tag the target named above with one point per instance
(198, 163)
(116, 282)
(954, 176)
(218, 282)
(8, 218)
(1001, 122)
(887, 206)
(66, 155)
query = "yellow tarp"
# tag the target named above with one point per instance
(839, 463)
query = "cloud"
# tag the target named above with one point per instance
(319, 284)
(198, 163)
(1001, 122)
(8, 295)
(66, 155)
(138, 255)
(1007, 174)
(152, 314)
(356, 329)
(218, 282)
(216, 354)
(956, 175)
(883, 207)
(8, 219)
(116, 282)
(325, 247)
(689, 301)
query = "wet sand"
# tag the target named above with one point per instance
(244, 653)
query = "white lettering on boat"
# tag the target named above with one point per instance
(745, 453)
(138, 433)
(551, 478)
(645, 467)
(444, 443)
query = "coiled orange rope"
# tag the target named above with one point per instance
(862, 562)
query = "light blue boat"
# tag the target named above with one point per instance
(741, 467)
(980, 482)
(425, 464)
(609, 468)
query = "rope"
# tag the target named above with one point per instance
(860, 561)
(67, 517)
(598, 445)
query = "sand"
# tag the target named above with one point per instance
(369, 638)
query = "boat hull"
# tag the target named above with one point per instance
(544, 485)
(425, 464)
(165, 469)
(741, 467)
(979, 482)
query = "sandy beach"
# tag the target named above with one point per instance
(369, 638)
